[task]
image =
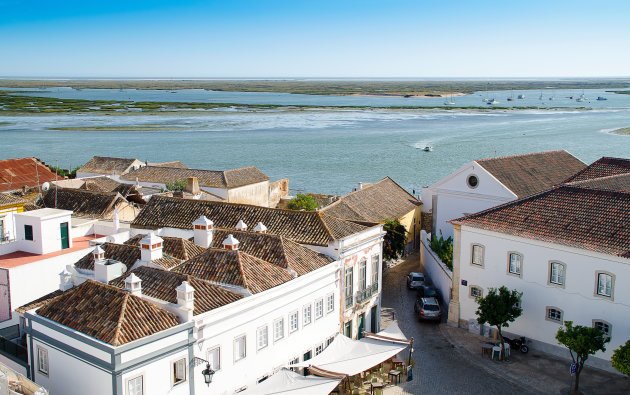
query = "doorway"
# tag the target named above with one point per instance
(65, 240)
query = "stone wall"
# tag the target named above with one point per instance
(277, 190)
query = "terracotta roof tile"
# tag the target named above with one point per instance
(39, 301)
(29, 172)
(589, 219)
(374, 203)
(602, 167)
(305, 227)
(107, 313)
(161, 284)
(174, 163)
(208, 178)
(7, 199)
(102, 184)
(89, 204)
(175, 247)
(107, 165)
(126, 254)
(532, 173)
(620, 182)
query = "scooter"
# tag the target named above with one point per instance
(518, 344)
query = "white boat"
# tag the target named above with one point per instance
(449, 102)
(493, 101)
(428, 148)
(582, 97)
(520, 97)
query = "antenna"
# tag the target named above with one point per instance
(56, 170)
(37, 175)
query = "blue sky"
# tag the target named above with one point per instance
(342, 38)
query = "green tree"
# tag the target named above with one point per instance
(621, 359)
(443, 248)
(581, 341)
(498, 308)
(303, 202)
(395, 239)
(178, 185)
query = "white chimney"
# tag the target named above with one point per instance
(360, 186)
(230, 243)
(116, 220)
(241, 226)
(133, 285)
(185, 301)
(65, 280)
(150, 248)
(260, 228)
(204, 230)
(107, 270)
(98, 253)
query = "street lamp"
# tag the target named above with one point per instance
(207, 372)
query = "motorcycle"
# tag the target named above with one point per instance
(518, 344)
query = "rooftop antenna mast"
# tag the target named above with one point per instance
(56, 170)
(39, 187)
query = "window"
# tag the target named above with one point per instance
(28, 232)
(603, 326)
(348, 291)
(179, 371)
(306, 314)
(329, 340)
(240, 351)
(293, 322)
(362, 274)
(319, 308)
(214, 358)
(375, 259)
(554, 314)
(278, 329)
(477, 255)
(330, 303)
(134, 386)
(515, 261)
(605, 282)
(319, 349)
(262, 337)
(476, 292)
(556, 273)
(294, 361)
(42, 360)
(472, 181)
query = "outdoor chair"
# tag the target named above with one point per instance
(497, 350)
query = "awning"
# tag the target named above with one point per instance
(291, 383)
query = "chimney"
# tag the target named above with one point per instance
(360, 186)
(185, 301)
(192, 186)
(65, 280)
(204, 230)
(107, 270)
(133, 285)
(230, 243)
(150, 248)
(242, 226)
(260, 228)
(98, 253)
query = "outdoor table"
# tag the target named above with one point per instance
(394, 374)
(376, 385)
(396, 362)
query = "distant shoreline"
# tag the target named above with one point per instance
(409, 95)
(621, 131)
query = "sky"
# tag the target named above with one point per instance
(323, 39)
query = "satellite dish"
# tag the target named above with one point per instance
(110, 239)
(45, 186)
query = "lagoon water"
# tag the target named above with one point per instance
(321, 150)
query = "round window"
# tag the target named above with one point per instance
(473, 181)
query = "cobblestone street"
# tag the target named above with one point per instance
(439, 368)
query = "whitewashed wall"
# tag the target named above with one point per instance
(441, 276)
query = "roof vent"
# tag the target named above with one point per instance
(98, 253)
(260, 228)
(151, 247)
(242, 226)
(230, 243)
(133, 285)
(203, 229)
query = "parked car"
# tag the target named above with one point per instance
(415, 280)
(428, 309)
(427, 291)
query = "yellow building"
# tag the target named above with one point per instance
(9, 205)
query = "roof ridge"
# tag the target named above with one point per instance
(579, 182)
(120, 319)
(521, 155)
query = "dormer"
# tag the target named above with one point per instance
(185, 301)
(98, 253)
(203, 230)
(260, 228)
(150, 248)
(133, 285)
(230, 243)
(242, 226)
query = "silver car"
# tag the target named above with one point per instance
(428, 309)
(415, 280)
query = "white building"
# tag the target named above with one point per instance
(566, 249)
(485, 183)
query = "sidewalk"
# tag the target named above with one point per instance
(535, 371)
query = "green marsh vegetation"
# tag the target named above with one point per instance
(622, 131)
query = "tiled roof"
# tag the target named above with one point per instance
(532, 173)
(305, 227)
(175, 247)
(374, 203)
(29, 172)
(619, 182)
(602, 167)
(127, 254)
(103, 184)
(161, 284)
(90, 204)
(274, 249)
(208, 178)
(7, 199)
(584, 218)
(174, 163)
(130, 192)
(166, 262)
(39, 301)
(107, 165)
(235, 267)
(107, 313)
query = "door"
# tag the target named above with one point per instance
(373, 322)
(347, 330)
(65, 241)
(361, 326)
(5, 298)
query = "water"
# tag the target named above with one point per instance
(325, 151)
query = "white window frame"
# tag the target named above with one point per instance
(560, 278)
(363, 274)
(330, 303)
(482, 252)
(43, 366)
(210, 350)
(278, 324)
(236, 340)
(319, 308)
(307, 314)
(294, 321)
(611, 295)
(470, 291)
(262, 333)
(548, 310)
(518, 267)
(375, 260)
(603, 323)
(175, 366)
(129, 380)
(319, 349)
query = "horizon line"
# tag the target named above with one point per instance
(303, 78)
